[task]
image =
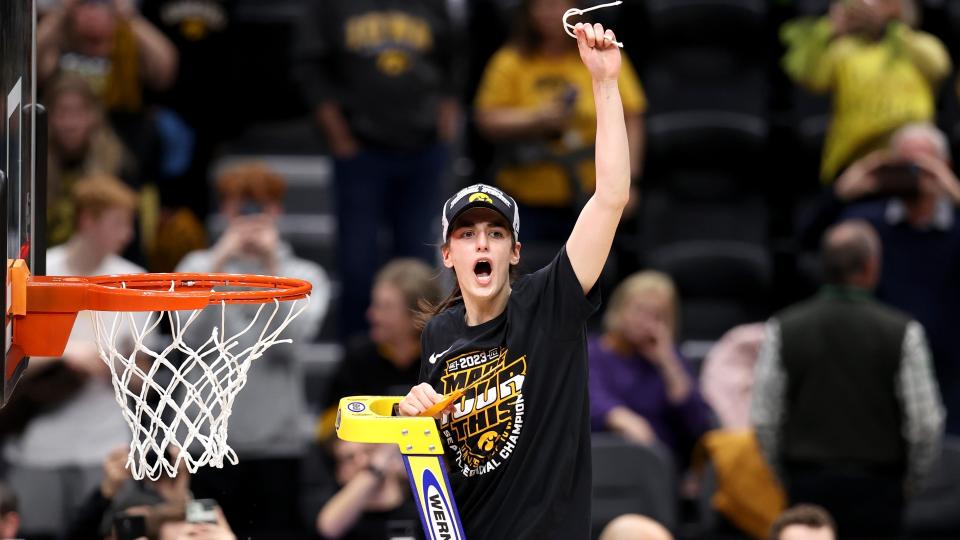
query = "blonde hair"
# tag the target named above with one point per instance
(97, 193)
(414, 278)
(637, 284)
(251, 180)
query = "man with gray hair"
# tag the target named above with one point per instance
(910, 195)
(845, 405)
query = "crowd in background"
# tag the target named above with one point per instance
(838, 384)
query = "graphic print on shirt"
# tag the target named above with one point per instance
(486, 423)
(392, 36)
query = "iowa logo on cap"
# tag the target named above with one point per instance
(482, 197)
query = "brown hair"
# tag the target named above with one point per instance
(251, 180)
(97, 193)
(427, 309)
(525, 36)
(807, 515)
(105, 153)
(414, 278)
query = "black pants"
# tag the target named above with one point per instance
(259, 497)
(866, 503)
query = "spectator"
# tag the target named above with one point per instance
(158, 501)
(111, 46)
(536, 93)
(726, 379)
(634, 527)
(881, 73)
(804, 522)
(379, 76)
(910, 195)
(206, 94)
(57, 458)
(81, 143)
(371, 499)
(387, 361)
(9, 513)
(640, 386)
(259, 495)
(845, 406)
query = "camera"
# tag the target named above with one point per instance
(128, 527)
(898, 180)
(202, 511)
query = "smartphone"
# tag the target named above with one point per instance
(250, 208)
(898, 179)
(202, 511)
(127, 527)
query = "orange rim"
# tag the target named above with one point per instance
(152, 292)
(44, 308)
(269, 288)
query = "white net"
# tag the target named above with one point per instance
(177, 399)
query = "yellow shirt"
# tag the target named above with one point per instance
(512, 80)
(878, 86)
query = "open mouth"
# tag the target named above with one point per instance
(482, 269)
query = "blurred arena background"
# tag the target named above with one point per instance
(347, 123)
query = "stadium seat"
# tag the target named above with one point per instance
(668, 218)
(630, 478)
(707, 155)
(707, 22)
(705, 78)
(708, 112)
(736, 269)
(721, 283)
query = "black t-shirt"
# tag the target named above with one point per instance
(355, 52)
(365, 371)
(518, 446)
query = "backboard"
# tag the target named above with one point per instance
(18, 159)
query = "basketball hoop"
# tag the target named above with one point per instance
(168, 404)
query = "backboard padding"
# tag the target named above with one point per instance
(18, 154)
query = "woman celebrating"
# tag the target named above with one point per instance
(518, 440)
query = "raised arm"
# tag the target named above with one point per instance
(159, 59)
(50, 35)
(589, 243)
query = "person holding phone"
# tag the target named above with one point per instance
(920, 233)
(518, 440)
(881, 72)
(129, 507)
(260, 493)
